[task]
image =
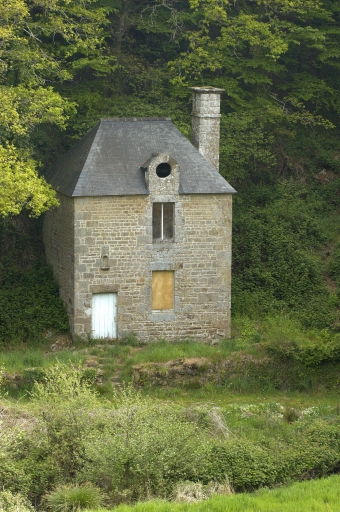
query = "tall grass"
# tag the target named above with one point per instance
(162, 351)
(318, 496)
(14, 361)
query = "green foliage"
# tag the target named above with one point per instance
(244, 141)
(135, 447)
(144, 449)
(72, 498)
(334, 265)
(310, 354)
(29, 304)
(276, 265)
(14, 502)
(28, 58)
(64, 403)
(29, 296)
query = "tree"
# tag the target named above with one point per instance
(41, 41)
(277, 61)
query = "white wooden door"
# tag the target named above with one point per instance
(104, 315)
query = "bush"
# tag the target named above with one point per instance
(247, 465)
(313, 451)
(310, 353)
(68, 409)
(71, 498)
(144, 449)
(29, 304)
(14, 503)
(29, 296)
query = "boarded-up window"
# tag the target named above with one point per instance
(163, 289)
(162, 221)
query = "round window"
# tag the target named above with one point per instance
(163, 170)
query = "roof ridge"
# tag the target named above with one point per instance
(124, 119)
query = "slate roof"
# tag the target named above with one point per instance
(107, 160)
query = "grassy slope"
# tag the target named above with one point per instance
(297, 361)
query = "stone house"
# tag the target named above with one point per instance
(141, 240)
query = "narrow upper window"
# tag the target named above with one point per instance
(162, 221)
(162, 290)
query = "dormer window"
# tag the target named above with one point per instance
(162, 222)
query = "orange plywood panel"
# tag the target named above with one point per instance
(163, 289)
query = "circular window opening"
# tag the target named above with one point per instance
(163, 170)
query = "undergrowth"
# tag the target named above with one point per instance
(29, 297)
(319, 496)
(67, 437)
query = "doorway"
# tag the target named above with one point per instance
(104, 315)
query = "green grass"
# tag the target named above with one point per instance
(162, 351)
(221, 396)
(312, 496)
(14, 361)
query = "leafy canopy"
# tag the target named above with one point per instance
(40, 41)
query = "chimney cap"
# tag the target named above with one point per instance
(207, 90)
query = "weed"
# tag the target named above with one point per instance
(194, 492)
(105, 390)
(290, 414)
(130, 339)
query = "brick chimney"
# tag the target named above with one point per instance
(205, 133)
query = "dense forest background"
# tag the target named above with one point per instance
(66, 63)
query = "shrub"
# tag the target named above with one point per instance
(68, 409)
(29, 298)
(13, 478)
(29, 304)
(10, 502)
(290, 414)
(247, 465)
(311, 450)
(136, 447)
(144, 449)
(71, 498)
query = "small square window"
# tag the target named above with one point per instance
(162, 221)
(163, 290)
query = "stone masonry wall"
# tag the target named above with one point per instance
(200, 255)
(115, 226)
(58, 235)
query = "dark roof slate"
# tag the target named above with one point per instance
(107, 160)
